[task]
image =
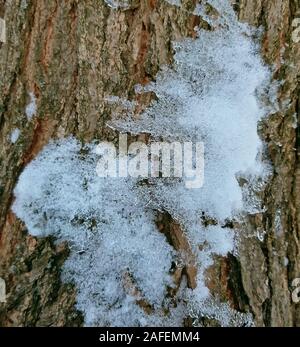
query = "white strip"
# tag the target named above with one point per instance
(2, 31)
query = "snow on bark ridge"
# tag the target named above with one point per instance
(14, 136)
(31, 108)
(210, 96)
(118, 4)
(174, 2)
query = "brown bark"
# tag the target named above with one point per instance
(71, 55)
(266, 278)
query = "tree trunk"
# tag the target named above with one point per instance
(67, 57)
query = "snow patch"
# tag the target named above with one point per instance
(210, 95)
(31, 108)
(174, 2)
(118, 4)
(15, 135)
(2, 30)
(109, 230)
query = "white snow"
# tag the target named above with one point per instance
(2, 30)
(174, 2)
(103, 217)
(31, 108)
(211, 95)
(14, 136)
(117, 4)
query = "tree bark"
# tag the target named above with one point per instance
(71, 55)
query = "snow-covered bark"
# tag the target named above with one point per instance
(211, 94)
(54, 86)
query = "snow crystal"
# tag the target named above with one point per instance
(118, 256)
(24, 4)
(210, 96)
(295, 121)
(277, 223)
(15, 135)
(174, 2)
(106, 226)
(117, 4)
(261, 235)
(223, 313)
(2, 30)
(126, 104)
(31, 107)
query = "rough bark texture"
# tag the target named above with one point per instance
(266, 278)
(71, 55)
